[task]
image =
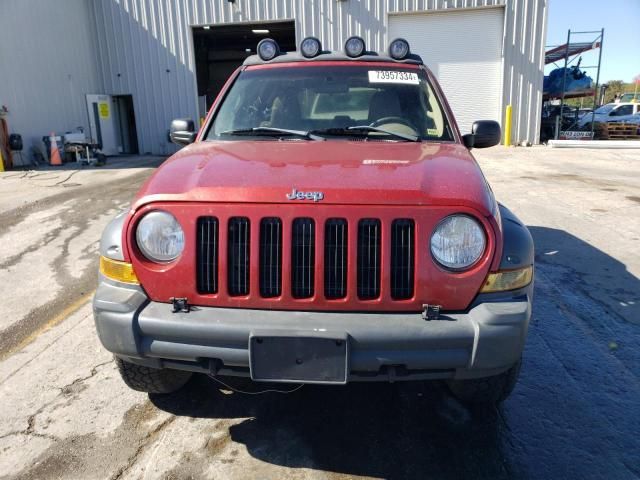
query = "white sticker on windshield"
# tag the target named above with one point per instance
(393, 76)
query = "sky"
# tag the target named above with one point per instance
(621, 22)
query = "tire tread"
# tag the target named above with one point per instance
(151, 380)
(494, 389)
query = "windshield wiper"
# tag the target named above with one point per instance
(272, 131)
(365, 129)
(369, 128)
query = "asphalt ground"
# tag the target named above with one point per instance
(575, 413)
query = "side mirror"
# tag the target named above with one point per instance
(484, 133)
(182, 131)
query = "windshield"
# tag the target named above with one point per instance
(336, 101)
(605, 108)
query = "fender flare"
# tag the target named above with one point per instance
(517, 242)
(111, 240)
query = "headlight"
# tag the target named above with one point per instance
(160, 237)
(458, 242)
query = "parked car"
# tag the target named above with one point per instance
(287, 244)
(609, 112)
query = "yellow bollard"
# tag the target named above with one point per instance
(1, 162)
(507, 126)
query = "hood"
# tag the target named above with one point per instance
(332, 172)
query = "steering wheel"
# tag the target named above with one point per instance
(393, 119)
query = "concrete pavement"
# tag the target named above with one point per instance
(51, 221)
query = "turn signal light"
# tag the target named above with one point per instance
(507, 280)
(118, 271)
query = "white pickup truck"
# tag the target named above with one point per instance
(611, 112)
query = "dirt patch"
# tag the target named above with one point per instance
(194, 465)
(84, 455)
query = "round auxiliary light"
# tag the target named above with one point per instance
(354, 47)
(458, 242)
(310, 47)
(399, 49)
(160, 237)
(268, 49)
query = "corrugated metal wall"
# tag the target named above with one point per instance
(525, 37)
(47, 66)
(145, 48)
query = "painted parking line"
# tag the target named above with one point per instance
(65, 313)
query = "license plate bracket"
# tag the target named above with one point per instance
(305, 357)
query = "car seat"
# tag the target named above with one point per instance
(384, 103)
(285, 112)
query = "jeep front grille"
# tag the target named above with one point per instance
(274, 271)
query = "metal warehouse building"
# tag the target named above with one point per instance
(123, 69)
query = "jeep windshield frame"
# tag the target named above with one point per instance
(327, 98)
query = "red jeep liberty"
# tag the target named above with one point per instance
(326, 224)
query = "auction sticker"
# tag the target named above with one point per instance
(393, 76)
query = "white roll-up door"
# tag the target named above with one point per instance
(464, 50)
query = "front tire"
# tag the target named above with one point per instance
(151, 380)
(486, 390)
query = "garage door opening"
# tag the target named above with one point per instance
(220, 49)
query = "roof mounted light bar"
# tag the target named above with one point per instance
(354, 47)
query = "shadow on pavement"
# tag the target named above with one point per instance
(590, 270)
(403, 430)
(573, 413)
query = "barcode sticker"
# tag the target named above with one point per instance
(393, 76)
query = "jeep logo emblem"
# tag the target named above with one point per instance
(296, 195)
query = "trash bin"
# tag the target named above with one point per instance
(15, 142)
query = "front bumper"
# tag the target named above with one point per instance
(485, 341)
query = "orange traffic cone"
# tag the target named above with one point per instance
(55, 153)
